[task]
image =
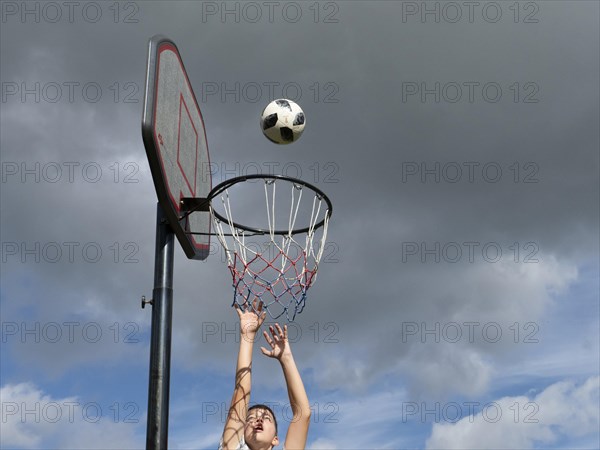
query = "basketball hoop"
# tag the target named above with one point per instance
(276, 264)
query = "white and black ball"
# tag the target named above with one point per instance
(282, 121)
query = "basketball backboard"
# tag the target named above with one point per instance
(176, 146)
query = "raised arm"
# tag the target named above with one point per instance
(250, 322)
(281, 350)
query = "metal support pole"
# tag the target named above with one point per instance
(160, 344)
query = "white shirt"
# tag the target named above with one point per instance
(241, 446)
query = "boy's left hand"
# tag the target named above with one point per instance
(278, 342)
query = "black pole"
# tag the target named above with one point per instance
(160, 344)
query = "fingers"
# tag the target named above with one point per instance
(238, 310)
(256, 307)
(281, 334)
(280, 331)
(261, 317)
(268, 339)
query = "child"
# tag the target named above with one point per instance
(256, 428)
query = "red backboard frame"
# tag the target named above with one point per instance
(176, 145)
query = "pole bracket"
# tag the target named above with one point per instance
(146, 302)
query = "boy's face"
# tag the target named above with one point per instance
(260, 429)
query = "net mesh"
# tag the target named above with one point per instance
(280, 268)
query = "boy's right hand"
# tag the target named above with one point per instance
(251, 318)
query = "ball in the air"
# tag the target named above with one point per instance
(282, 121)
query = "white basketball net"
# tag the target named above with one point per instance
(278, 269)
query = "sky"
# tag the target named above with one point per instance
(457, 300)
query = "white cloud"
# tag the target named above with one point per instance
(34, 419)
(445, 368)
(489, 297)
(323, 444)
(193, 441)
(562, 411)
(15, 427)
(360, 421)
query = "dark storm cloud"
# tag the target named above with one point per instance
(401, 167)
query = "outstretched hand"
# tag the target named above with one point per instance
(251, 317)
(278, 341)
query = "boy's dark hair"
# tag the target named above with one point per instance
(261, 406)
